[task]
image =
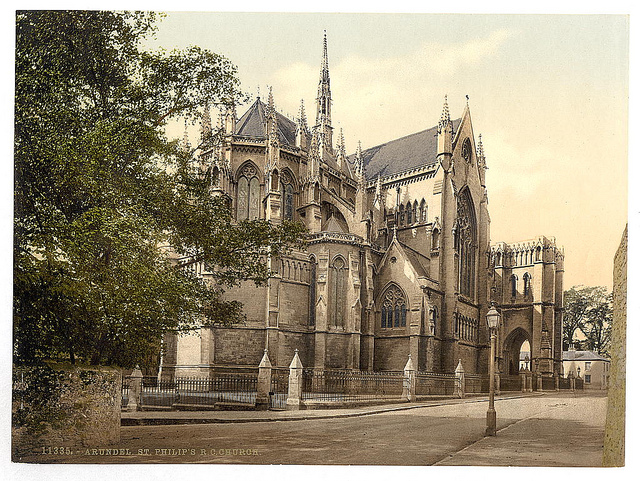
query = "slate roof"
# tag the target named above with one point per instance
(402, 154)
(253, 121)
(582, 356)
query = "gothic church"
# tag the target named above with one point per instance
(398, 262)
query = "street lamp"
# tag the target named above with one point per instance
(493, 319)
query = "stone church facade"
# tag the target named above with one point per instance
(398, 259)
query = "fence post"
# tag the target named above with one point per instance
(523, 379)
(539, 381)
(529, 381)
(135, 390)
(264, 383)
(460, 382)
(572, 381)
(295, 383)
(409, 381)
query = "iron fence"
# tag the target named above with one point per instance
(476, 383)
(239, 388)
(565, 383)
(348, 386)
(510, 383)
(433, 383)
(548, 384)
(579, 383)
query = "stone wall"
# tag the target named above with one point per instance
(62, 406)
(614, 434)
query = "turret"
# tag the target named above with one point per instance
(445, 132)
(230, 119)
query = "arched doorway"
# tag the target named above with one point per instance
(517, 342)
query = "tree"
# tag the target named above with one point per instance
(100, 192)
(587, 310)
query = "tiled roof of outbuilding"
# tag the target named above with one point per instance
(402, 154)
(252, 123)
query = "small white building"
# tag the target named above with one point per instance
(588, 365)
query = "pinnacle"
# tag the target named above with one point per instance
(445, 117)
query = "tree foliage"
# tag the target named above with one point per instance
(587, 311)
(100, 192)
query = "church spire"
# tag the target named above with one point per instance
(323, 105)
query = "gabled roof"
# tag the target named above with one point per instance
(402, 154)
(582, 356)
(253, 121)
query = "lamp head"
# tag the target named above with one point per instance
(493, 317)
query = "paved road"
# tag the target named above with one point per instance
(553, 429)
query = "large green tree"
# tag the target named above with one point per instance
(101, 192)
(587, 311)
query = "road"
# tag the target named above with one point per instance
(554, 429)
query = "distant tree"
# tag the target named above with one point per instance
(589, 311)
(100, 192)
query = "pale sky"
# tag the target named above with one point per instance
(548, 93)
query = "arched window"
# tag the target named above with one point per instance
(538, 254)
(338, 288)
(248, 200)
(514, 285)
(394, 308)
(287, 196)
(401, 215)
(416, 213)
(466, 235)
(312, 292)
(526, 279)
(423, 211)
(409, 214)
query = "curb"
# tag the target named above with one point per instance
(302, 417)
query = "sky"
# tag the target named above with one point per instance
(548, 93)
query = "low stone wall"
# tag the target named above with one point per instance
(61, 407)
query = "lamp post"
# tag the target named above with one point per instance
(493, 319)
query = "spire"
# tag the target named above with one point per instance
(323, 105)
(185, 144)
(205, 127)
(358, 163)
(445, 118)
(445, 132)
(302, 129)
(341, 157)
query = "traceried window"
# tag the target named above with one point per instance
(465, 235)
(401, 215)
(409, 214)
(287, 196)
(248, 204)
(394, 308)
(338, 287)
(514, 285)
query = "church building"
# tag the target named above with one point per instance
(399, 259)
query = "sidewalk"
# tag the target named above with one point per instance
(150, 418)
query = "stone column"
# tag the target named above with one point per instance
(523, 380)
(264, 383)
(460, 384)
(409, 381)
(135, 389)
(295, 383)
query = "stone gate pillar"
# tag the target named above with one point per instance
(135, 390)
(264, 383)
(409, 381)
(460, 383)
(295, 383)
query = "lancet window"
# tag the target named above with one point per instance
(338, 287)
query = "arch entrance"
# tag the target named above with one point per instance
(517, 342)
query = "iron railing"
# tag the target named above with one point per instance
(476, 383)
(510, 382)
(433, 383)
(279, 388)
(349, 386)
